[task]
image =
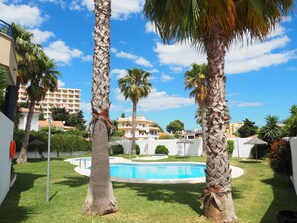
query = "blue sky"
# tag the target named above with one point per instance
(261, 78)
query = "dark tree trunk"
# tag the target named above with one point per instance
(23, 155)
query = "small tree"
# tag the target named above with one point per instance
(248, 129)
(290, 128)
(174, 126)
(230, 147)
(280, 158)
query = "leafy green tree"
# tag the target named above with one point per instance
(248, 129)
(158, 126)
(100, 199)
(44, 78)
(134, 86)
(196, 81)
(271, 131)
(60, 114)
(290, 128)
(41, 115)
(211, 26)
(76, 120)
(123, 115)
(175, 126)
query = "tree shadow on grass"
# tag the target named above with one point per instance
(179, 193)
(75, 181)
(284, 197)
(10, 210)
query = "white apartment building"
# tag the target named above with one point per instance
(68, 98)
(144, 128)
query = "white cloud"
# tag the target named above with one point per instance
(120, 73)
(119, 10)
(136, 59)
(24, 15)
(62, 53)
(156, 100)
(178, 55)
(61, 84)
(87, 58)
(143, 62)
(150, 28)
(166, 78)
(239, 59)
(176, 69)
(41, 36)
(232, 103)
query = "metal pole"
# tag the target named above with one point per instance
(48, 159)
(237, 143)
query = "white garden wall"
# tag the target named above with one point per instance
(6, 135)
(293, 143)
(147, 147)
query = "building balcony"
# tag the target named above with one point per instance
(8, 55)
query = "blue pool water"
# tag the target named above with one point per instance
(157, 170)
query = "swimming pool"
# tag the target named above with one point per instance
(151, 171)
(123, 170)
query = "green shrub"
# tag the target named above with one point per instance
(69, 143)
(161, 149)
(262, 151)
(137, 149)
(117, 149)
(280, 159)
(166, 137)
(77, 132)
(230, 147)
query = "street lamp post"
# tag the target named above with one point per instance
(48, 159)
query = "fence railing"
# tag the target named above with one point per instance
(5, 28)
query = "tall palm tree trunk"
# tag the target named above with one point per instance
(204, 130)
(100, 198)
(23, 155)
(133, 146)
(218, 201)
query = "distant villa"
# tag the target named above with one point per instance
(144, 128)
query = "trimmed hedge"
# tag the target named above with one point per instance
(117, 149)
(161, 149)
(59, 142)
(69, 143)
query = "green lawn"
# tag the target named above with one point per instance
(258, 196)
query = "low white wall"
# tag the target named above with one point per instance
(147, 147)
(32, 155)
(293, 143)
(6, 135)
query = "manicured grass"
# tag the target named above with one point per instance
(258, 195)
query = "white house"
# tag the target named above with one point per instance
(24, 118)
(144, 128)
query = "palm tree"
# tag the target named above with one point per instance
(100, 198)
(211, 26)
(44, 78)
(271, 131)
(134, 86)
(195, 80)
(26, 54)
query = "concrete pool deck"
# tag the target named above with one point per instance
(85, 162)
